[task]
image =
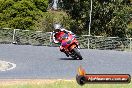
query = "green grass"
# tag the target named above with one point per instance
(65, 84)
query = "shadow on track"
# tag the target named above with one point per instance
(67, 59)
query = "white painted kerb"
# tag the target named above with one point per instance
(4, 65)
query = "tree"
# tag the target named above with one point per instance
(51, 17)
(109, 18)
(21, 14)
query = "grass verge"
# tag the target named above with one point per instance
(55, 84)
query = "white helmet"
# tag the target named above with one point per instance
(57, 26)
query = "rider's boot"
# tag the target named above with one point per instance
(66, 53)
(63, 50)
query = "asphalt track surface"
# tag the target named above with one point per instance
(38, 62)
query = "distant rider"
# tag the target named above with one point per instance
(56, 34)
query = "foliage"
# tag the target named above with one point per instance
(51, 17)
(109, 18)
(21, 14)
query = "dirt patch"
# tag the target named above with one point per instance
(29, 81)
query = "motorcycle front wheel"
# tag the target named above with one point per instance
(76, 54)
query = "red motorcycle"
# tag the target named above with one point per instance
(71, 45)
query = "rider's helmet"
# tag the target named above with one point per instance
(57, 27)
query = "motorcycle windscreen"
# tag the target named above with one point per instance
(65, 36)
(66, 39)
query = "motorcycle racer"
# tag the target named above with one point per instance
(56, 36)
